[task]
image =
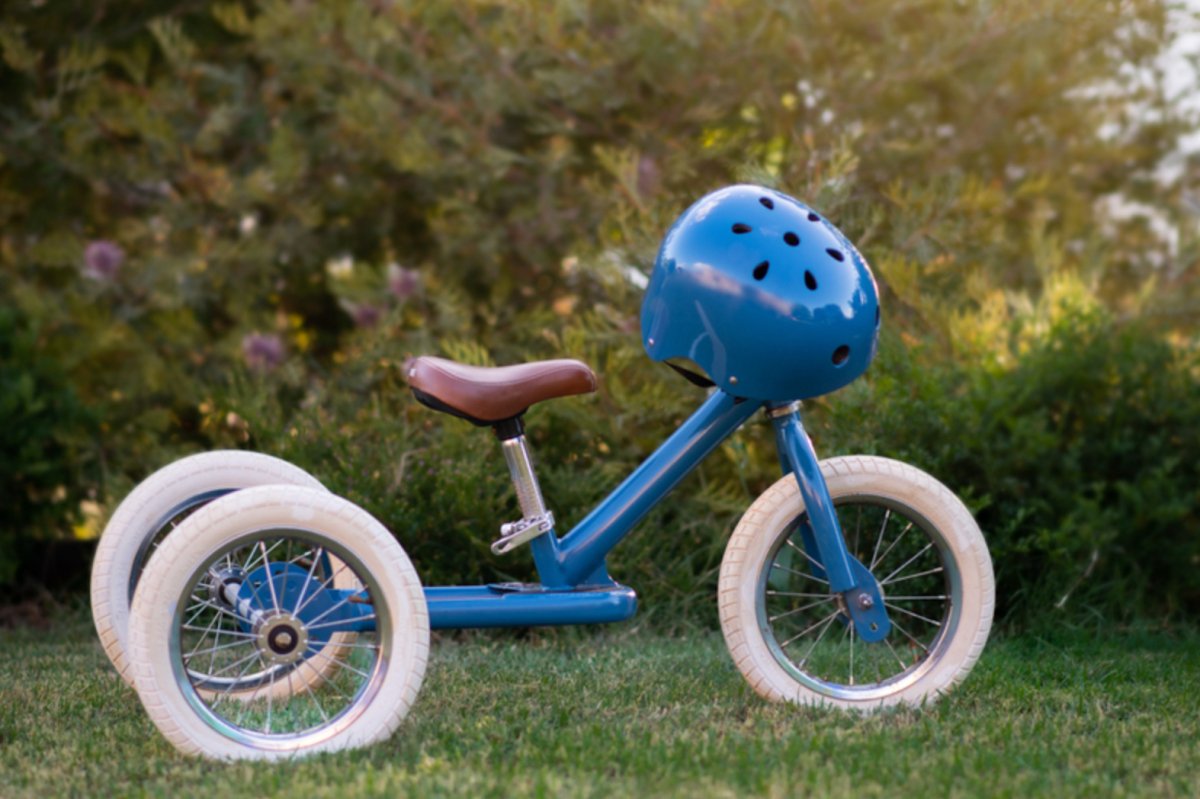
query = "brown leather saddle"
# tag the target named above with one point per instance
(493, 395)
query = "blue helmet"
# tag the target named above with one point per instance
(764, 295)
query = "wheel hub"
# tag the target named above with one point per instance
(217, 580)
(282, 638)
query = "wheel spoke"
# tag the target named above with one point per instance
(925, 619)
(216, 648)
(270, 577)
(908, 635)
(850, 627)
(245, 706)
(221, 609)
(312, 695)
(234, 665)
(216, 618)
(340, 603)
(249, 661)
(879, 539)
(811, 560)
(857, 530)
(903, 665)
(802, 607)
(251, 556)
(219, 631)
(810, 628)
(199, 608)
(774, 592)
(806, 575)
(270, 699)
(341, 663)
(308, 580)
(825, 629)
(324, 585)
(937, 570)
(891, 546)
(906, 563)
(368, 617)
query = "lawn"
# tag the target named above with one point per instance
(626, 712)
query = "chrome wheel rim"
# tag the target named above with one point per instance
(806, 626)
(250, 670)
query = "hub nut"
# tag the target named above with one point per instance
(282, 638)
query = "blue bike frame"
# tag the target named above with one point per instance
(575, 586)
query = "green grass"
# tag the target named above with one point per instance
(629, 713)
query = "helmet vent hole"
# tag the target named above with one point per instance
(813, 217)
(810, 281)
(740, 228)
(836, 254)
(760, 271)
(791, 238)
(767, 203)
(840, 355)
(876, 316)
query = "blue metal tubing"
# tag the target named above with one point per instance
(831, 547)
(580, 554)
(460, 606)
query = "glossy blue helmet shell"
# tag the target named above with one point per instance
(764, 295)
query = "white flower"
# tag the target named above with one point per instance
(248, 224)
(338, 268)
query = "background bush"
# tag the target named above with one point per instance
(229, 224)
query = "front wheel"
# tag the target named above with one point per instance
(238, 611)
(792, 638)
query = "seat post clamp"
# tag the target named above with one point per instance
(513, 534)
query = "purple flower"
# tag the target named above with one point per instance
(102, 260)
(262, 351)
(403, 283)
(649, 177)
(365, 315)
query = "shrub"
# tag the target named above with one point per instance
(45, 437)
(229, 224)
(1074, 459)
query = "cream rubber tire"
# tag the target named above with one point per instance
(377, 689)
(151, 511)
(786, 631)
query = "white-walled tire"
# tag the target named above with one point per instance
(183, 598)
(152, 510)
(784, 628)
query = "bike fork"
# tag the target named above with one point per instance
(822, 535)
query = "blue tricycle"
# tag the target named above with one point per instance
(260, 616)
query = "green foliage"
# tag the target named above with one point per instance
(1074, 460)
(230, 224)
(44, 428)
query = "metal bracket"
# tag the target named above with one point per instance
(513, 534)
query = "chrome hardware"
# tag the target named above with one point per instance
(537, 520)
(520, 468)
(513, 534)
(783, 410)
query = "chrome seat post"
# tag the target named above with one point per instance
(535, 518)
(520, 468)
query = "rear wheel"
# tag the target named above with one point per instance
(144, 519)
(234, 617)
(792, 638)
